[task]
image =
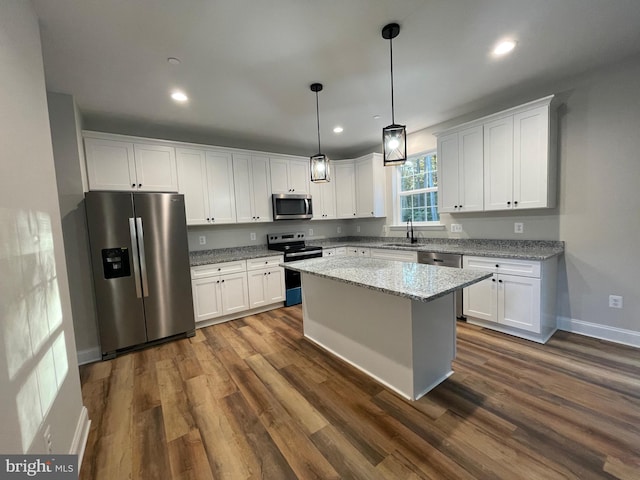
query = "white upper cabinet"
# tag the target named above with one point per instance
(192, 175)
(252, 182)
(500, 162)
(222, 200)
(121, 165)
(323, 196)
(370, 186)
(519, 159)
(206, 180)
(460, 159)
(345, 178)
(290, 175)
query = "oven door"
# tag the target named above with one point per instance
(292, 280)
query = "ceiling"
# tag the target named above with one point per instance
(246, 65)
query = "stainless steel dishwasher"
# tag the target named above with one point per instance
(445, 260)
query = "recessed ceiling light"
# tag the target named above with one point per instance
(173, 60)
(179, 96)
(338, 129)
(504, 47)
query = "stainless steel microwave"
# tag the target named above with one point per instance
(292, 206)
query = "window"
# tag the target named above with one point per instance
(418, 189)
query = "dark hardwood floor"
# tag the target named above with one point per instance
(253, 399)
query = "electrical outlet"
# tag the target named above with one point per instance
(518, 227)
(456, 228)
(203, 240)
(384, 229)
(48, 442)
(311, 232)
(358, 228)
(339, 229)
(615, 301)
(252, 235)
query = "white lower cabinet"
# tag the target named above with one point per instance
(266, 281)
(328, 252)
(359, 251)
(219, 289)
(518, 299)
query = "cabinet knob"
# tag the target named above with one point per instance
(219, 269)
(497, 266)
(508, 203)
(493, 279)
(268, 273)
(133, 185)
(354, 213)
(499, 281)
(208, 219)
(258, 218)
(515, 203)
(264, 273)
(212, 219)
(371, 213)
(222, 281)
(218, 281)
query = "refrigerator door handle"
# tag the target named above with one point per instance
(134, 248)
(143, 261)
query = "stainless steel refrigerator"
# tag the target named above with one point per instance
(140, 259)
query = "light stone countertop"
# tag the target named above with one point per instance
(518, 249)
(410, 280)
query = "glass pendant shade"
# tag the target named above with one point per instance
(319, 162)
(394, 140)
(320, 168)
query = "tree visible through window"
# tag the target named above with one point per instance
(418, 189)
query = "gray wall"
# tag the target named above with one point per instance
(39, 381)
(68, 153)
(598, 212)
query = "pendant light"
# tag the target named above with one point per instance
(394, 136)
(319, 161)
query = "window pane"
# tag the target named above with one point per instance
(419, 173)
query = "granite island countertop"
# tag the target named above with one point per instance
(410, 280)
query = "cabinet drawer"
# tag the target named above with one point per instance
(341, 251)
(264, 262)
(203, 271)
(328, 252)
(523, 268)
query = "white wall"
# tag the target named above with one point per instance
(69, 164)
(39, 382)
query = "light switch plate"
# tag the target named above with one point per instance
(615, 301)
(456, 228)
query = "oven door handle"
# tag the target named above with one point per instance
(303, 254)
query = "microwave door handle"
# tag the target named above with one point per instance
(134, 249)
(143, 261)
(306, 202)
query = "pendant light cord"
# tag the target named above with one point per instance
(393, 119)
(318, 119)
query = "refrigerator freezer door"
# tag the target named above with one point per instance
(120, 311)
(164, 260)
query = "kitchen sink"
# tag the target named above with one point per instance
(412, 245)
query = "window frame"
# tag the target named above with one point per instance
(398, 193)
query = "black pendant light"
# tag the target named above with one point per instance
(394, 136)
(319, 161)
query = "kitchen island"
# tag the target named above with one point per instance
(393, 320)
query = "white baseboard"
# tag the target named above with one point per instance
(79, 442)
(89, 355)
(602, 332)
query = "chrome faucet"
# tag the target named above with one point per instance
(411, 237)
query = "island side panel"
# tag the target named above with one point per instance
(369, 329)
(434, 342)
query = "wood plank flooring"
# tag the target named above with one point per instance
(253, 399)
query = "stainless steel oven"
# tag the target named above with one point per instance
(290, 206)
(294, 248)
